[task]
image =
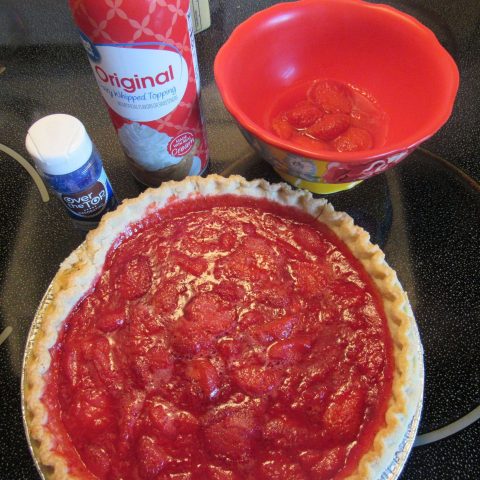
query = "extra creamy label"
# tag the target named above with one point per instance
(140, 84)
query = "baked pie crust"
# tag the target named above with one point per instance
(78, 272)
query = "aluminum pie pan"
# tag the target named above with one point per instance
(392, 472)
(43, 471)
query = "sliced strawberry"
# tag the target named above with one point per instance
(252, 318)
(230, 291)
(249, 229)
(353, 140)
(256, 379)
(72, 364)
(202, 371)
(331, 96)
(110, 321)
(230, 348)
(227, 240)
(159, 357)
(242, 265)
(165, 299)
(228, 442)
(303, 114)
(312, 402)
(169, 420)
(330, 126)
(329, 463)
(218, 473)
(97, 459)
(230, 431)
(282, 127)
(137, 342)
(162, 416)
(275, 293)
(145, 319)
(131, 408)
(344, 415)
(156, 366)
(90, 413)
(326, 352)
(370, 356)
(288, 250)
(214, 314)
(311, 279)
(176, 476)
(312, 240)
(274, 330)
(94, 344)
(186, 423)
(151, 456)
(189, 338)
(291, 350)
(284, 432)
(158, 253)
(290, 387)
(348, 293)
(326, 359)
(135, 277)
(193, 265)
(99, 352)
(261, 251)
(141, 371)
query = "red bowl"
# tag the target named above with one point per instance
(385, 52)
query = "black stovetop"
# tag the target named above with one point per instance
(425, 215)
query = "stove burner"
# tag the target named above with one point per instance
(449, 429)
(5, 334)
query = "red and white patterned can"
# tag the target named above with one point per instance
(143, 57)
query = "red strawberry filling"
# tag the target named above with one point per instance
(333, 116)
(252, 346)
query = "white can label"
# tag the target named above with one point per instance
(140, 84)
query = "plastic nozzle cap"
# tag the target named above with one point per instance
(58, 144)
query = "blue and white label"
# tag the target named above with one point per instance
(91, 203)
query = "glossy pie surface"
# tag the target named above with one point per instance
(228, 338)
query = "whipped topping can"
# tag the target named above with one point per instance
(142, 53)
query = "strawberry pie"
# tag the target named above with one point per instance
(219, 329)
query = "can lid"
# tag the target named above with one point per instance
(58, 144)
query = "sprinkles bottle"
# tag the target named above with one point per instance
(68, 161)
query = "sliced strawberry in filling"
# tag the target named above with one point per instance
(291, 350)
(202, 371)
(134, 278)
(231, 431)
(281, 126)
(256, 379)
(331, 96)
(152, 458)
(329, 126)
(303, 114)
(343, 417)
(353, 140)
